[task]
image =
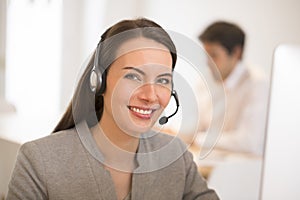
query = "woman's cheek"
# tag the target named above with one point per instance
(164, 98)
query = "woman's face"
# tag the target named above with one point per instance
(139, 84)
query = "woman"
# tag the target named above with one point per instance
(103, 147)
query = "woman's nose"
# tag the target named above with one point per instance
(148, 93)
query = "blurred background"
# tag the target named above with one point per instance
(43, 44)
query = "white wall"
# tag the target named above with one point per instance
(267, 23)
(2, 46)
(72, 47)
(33, 56)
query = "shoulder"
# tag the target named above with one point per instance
(58, 137)
(260, 81)
(54, 144)
(47, 155)
(256, 82)
(257, 75)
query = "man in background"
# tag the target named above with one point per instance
(246, 92)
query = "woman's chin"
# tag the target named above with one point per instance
(139, 125)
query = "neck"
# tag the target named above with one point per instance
(118, 153)
(118, 137)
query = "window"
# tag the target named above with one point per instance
(33, 52)
(2, 45)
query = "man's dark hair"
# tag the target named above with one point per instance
(229, 35)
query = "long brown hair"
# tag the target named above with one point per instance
(87, 105)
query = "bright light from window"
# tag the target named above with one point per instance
(33, 56)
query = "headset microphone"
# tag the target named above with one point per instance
(165, 119)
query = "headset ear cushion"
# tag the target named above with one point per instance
(93, 80)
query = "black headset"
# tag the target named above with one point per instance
(165, 119)
(96, 83)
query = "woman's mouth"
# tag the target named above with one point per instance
(144, 113)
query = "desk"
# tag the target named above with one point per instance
(232, 175)
(218, 157)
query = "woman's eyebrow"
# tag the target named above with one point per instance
(165, 74)
(136, 69)
(143, 73)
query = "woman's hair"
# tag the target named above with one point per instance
(87, 105)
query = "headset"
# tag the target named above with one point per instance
(96, 75)
(96, 83)
(165, 119)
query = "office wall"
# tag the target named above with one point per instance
(2, 45)
(33, 52)
(267, 23)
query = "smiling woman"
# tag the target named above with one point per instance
(136, 96)
(104, 145)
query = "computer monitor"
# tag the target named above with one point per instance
(281, 168)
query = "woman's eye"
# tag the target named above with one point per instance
(134, 77)
(164, 81)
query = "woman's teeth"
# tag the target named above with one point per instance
(141, 111)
